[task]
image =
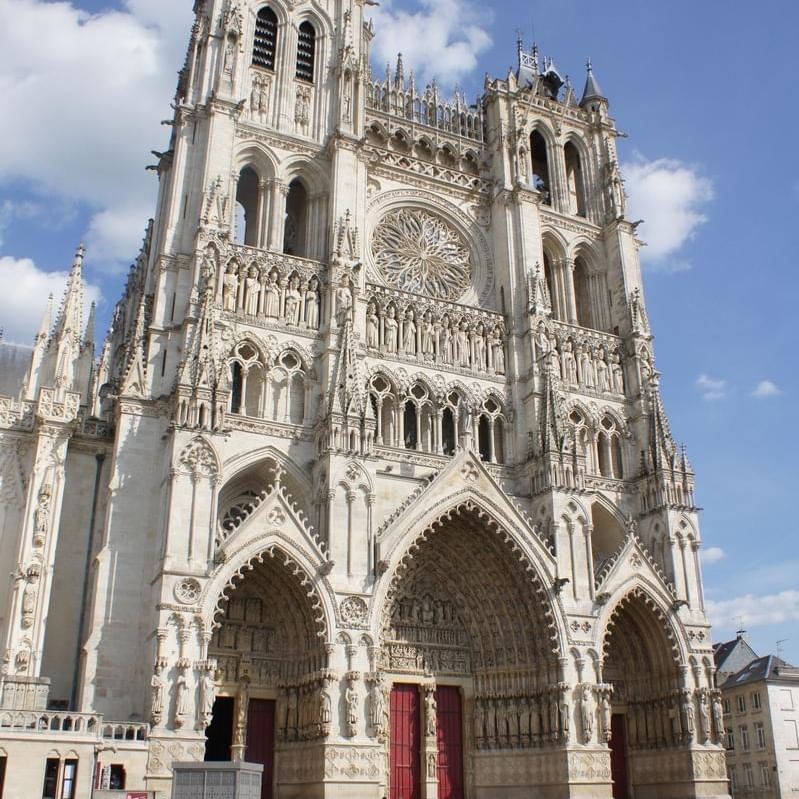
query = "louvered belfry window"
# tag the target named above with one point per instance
(306, 52)
(265, 46)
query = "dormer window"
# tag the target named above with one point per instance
(306, 52)
(265, 45)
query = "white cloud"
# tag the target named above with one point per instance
(24, 289)
(755, 611)
(83, 95)
(765, 389)
(711, 388)
(713, 555)
(669, 196)
(443, 40)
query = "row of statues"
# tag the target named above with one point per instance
(580, 364)
(463, 343)
(260, 293)
(182, 696)
(682, 717)
(305, 712)
(521, 722)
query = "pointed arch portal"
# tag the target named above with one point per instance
(272, 678)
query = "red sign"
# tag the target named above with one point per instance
(137, 795)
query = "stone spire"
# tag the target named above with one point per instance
(592, 93)
(66, 340)
(47, 323)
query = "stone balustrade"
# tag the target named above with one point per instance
(399, 99)
(48, 722)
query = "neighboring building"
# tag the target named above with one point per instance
(373, 483)
(761, 719)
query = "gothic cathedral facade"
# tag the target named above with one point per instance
(372, 483)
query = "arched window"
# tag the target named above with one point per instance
(265, 45)
(247, 380)
(287, 382)
(411, 428)
(385, 408)
(247, 196)
(574, 180)
(582, 294)
(448, 432)
(609, 451)
(554, 292)
(294, 238)
(540, 158)
(491, 432)
(306, 52)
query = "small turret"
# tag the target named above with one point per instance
(593, 97)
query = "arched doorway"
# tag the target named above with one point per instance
(272, 692)
(468, 650)
(651, 712)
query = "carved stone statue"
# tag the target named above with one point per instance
(586, 367)
(479, 347)
(352, 700)
(293, 301)
(498, 352)
(602, 378)
(616, 373)
(569, 363)
(272, 297)
(428, 331)
(252, 289)
(292, 714)
(181, 699)
(157, 695)
(462, 345)
(689, 715)
(430, 712)
(565, 713)
(587, 713)
(479, 722)
(718, 716)
(230, 288)
(41, 518)
(606, 716)
(207, 697)
(391, 326)
(325, 707)
(343, 301)
(446, 340)
(409, 335)
(312, 304)
(377, 708)
(372, 327)
(704, 717)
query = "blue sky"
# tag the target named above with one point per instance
(706, 92)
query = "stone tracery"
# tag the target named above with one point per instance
(422, 254)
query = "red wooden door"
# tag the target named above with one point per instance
(618, 756)
(261, 740)
(449, 735)
(406, 737)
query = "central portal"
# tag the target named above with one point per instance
(439, 757)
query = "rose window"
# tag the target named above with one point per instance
(420, 253)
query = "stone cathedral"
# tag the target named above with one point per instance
(371, 482)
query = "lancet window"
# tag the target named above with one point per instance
(278, 394)
(246, 380)
(609, 452)
(575, 181)
(247, 208)
(540, 158)
(306, 52)
(296, 220)
(265, 44)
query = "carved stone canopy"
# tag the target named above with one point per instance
(419, 252)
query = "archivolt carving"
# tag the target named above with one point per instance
(420, 253)
(199, 458)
